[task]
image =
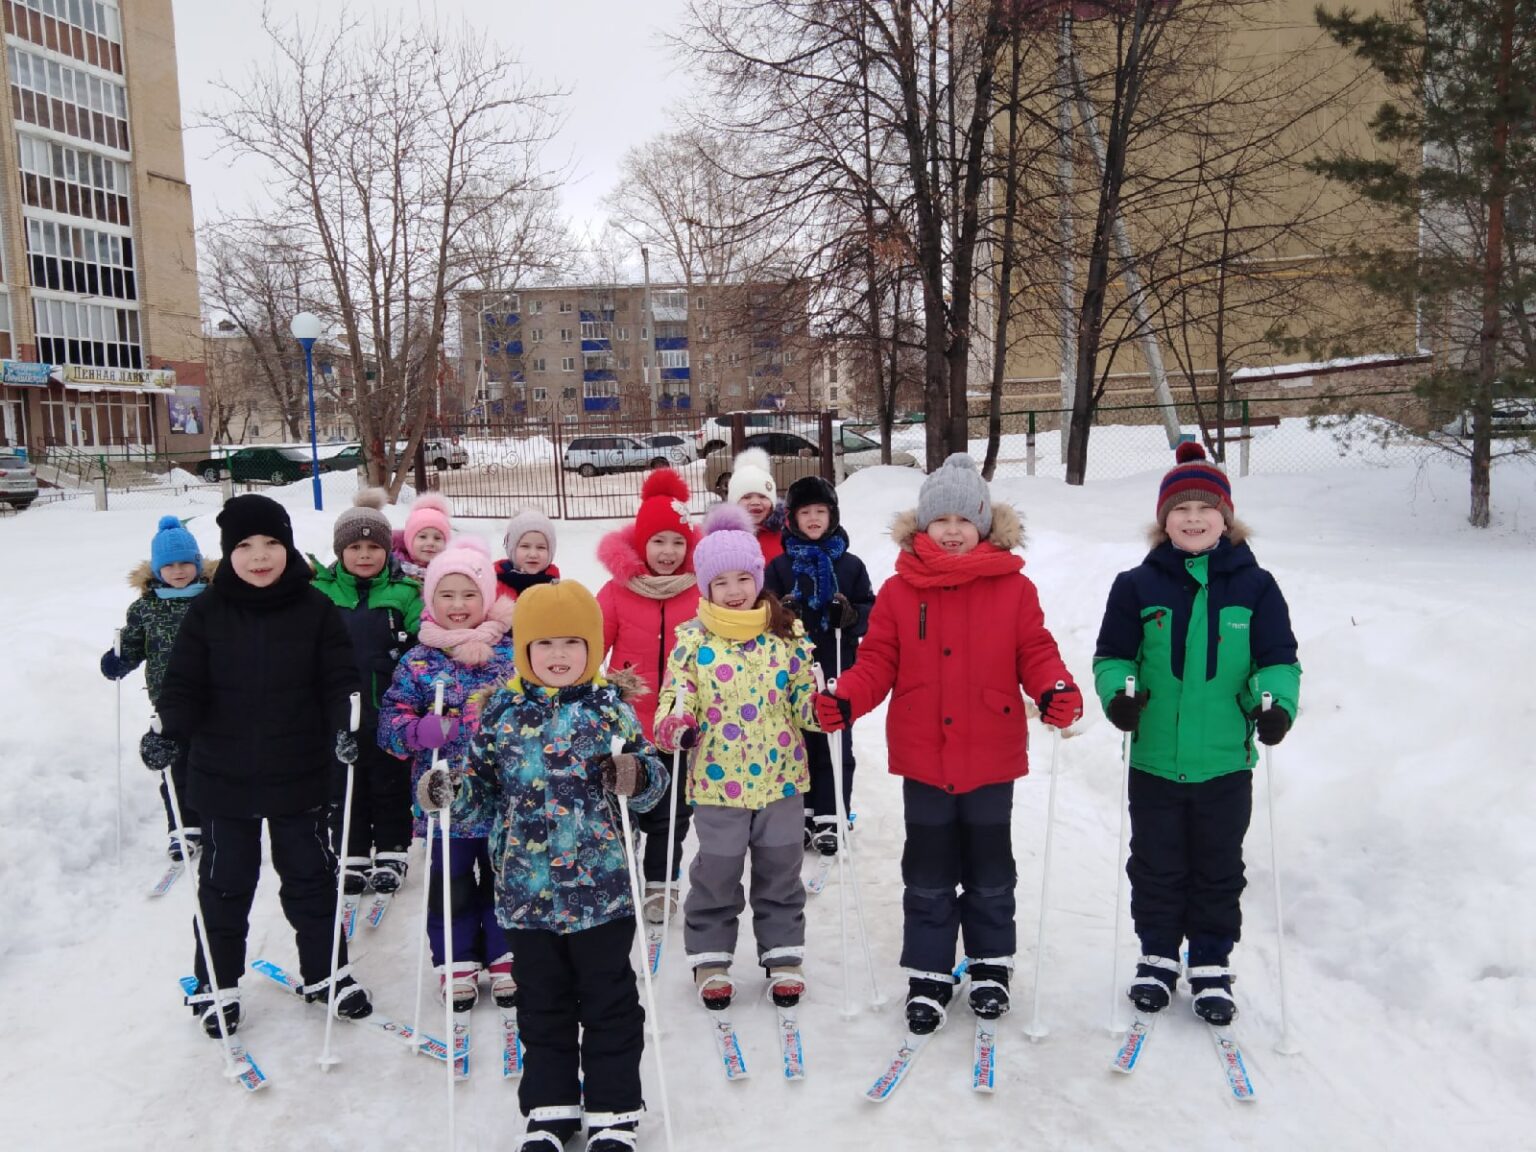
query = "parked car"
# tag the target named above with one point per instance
(18, 482)
(674, 449)
(1512, 416)
(258, 462)
(591, 455)
(349, 459)
(716, 431)
(445, 452)
(795, 455)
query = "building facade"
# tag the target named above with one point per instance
(257, 394)
(100, 335)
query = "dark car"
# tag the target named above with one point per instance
(259, 462)
(349, 459)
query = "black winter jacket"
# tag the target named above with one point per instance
(852, 580)
(258, 685)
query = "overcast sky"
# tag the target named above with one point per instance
(609, 54)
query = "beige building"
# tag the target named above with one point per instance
(260, 395)
(99, 327)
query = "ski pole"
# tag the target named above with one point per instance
(1037, 1030)
(616, 747)
(426, 884)
(844, 823)
(199, 925)
(327, 1059)
(117, 651)
(450, 1039)
(1125, 816)
(675, 796)
(848, 1012)
(1287, 1045)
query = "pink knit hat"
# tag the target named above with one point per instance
(465, 555)
(728, 545)
(429, 511)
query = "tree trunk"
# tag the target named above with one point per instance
(1005, 266)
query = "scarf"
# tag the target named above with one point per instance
(291, 585)
(166, 592)
(734, 623)
(812, 562)
(660, 587)
(468, 646)
(929, 566)
(520, 582)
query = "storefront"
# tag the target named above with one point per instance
(22, 384)
(106, 408)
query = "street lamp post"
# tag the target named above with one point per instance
(306, 330)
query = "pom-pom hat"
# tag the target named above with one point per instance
(546, 611)
(465, 556)
(728, 545)
(363, 521)
(751, 475)
(1194, 478)
(956, 489)
(524, 521)
(429, 511)
(173, 544)
(664, 508)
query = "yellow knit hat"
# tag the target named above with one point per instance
(562, 609)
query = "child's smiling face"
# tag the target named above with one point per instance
(259, 560)
(179, 574)
(530, 556)
(665, 552)
(364, 559)
(457, 602)
(955, 534)
(735, 590)
(426, 544)
(812, 520)
(559, 661)
(1195, 526)
(757, 506)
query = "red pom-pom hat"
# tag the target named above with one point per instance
(664, 508)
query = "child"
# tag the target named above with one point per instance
(427, 531)
(542, 775)
(256, 696)
(952, 638)
(652, 591)
(742, 674)
(1206, 633)
(382, 612)
(464, 644)
(174, 574)
(751, 486)
(530, 545)
(828, 588)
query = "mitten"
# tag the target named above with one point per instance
(1124, 711)
(1271, 724)
(436, 789)
(113, 666)
(833, 713)
(346, 747)
(1060, 707)
(431, 731)
(677, 733)
(157, 751)
(791, 603)
(844, 614)
(622, 773)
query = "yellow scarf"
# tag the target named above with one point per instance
(734, 623)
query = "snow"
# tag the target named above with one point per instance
(1314, 367)
(1407, 807)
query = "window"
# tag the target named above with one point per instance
(81, 260)
(623, 362)
(565, 306)
(565, 335)
(540, 395)
(538, 366)
(72, 181)
(735, 359)
(699, 303)
(623, 333)
(535, 335)
(832, 373)
(88, 30)
(68, 100)
(5, 325)
(831, 399)
(789, 357)
(536, 307)
(703, 331)
(568, 364)
(69, 332)
(673, 359)
(602, 389)
(596, 330)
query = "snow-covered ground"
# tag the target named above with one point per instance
(1407, 801)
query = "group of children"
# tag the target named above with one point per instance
(557, 707)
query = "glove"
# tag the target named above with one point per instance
(436, 789)
(844, 614)
(677, 733)
(791, 603)
(157, 751)
(1271, 724)
(622, 774)
(431, 731)
(346, 747)
(1124, 711)
(1060, 707)
(833, 713)
(113, 666)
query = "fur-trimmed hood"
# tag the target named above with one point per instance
(1007, 528)
(143, 579)
(1237, 532)
(630, 684)
(617, 552)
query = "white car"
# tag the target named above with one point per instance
(18, 482)
(716, 432)
(677, 449)
(591, 455)
(445, 453)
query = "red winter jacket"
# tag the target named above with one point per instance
(638, 631)
(953, 656)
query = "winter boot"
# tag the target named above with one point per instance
(203, 1007)
(352, 1001)
(660, 900)
(388, 871)
(194, 839)
(611, 1131)
(928, 996)
(355, 878)
(1156, 978)
(713, 981)
(1210, 988)
(824, 839)
(810, 830)
(503, 985)
(989, 986)
(786, 984)
(550, 1127)
(466, 986)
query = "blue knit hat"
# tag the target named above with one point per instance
(173, 544)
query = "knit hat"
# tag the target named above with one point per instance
(173, 544)
(549, 610)
(956, 489)
(465, 556)
(728, 545)
(253, 515)
(664, 508)
(1194, 478)
(429, 511)
(806, 491)
(524, 521)
(363, 521)
(751, 474)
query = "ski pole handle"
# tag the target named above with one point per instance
(117, 643)
(357, 712)
(1130, 686)
(1061, 685)
(154, 722)
(820, 677)
(1266, 702)
(437, 699)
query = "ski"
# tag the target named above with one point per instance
(820, 875)
(350, 903)
(168, 879)
(728, 1045)
(248, 1073)
(791, 1049)
(511, 1045)
(1232, 1062)
(984, 1065)
(461, 1046)
(653, 942)
(896, 1071)
(1135, 1040)
(377, 907)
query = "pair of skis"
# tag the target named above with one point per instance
(1230, 1054)
(246, 1072)
(983, 1056)
(373, 914)
(733, 1060)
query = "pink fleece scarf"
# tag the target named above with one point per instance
(469, 646)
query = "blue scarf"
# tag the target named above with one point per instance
(811, 562)
(166, 592)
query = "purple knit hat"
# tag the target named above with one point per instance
(728, 545)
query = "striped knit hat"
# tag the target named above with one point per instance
(1194, 478)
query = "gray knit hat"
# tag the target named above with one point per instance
(956, 489)
(524, 521)
(363, 521)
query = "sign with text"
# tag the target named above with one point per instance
(130, 377)
(24, 372)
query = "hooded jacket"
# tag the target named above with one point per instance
(154, 619)
(952, 646)
(382, 615)
(851, 579)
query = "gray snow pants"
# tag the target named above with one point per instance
(775, 838)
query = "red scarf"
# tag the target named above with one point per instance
(929, 566)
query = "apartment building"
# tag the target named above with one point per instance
(100, 339)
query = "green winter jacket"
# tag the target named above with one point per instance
(1205, 635)
(153, 621)
(382, 616)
